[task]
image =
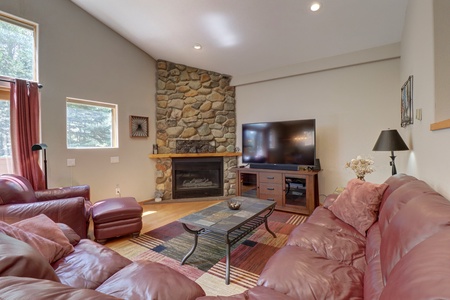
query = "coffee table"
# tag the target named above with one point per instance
(220, 223)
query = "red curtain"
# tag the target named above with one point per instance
(25, 125)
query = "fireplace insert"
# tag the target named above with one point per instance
(197, 177)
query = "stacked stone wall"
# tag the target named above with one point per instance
(194, 104)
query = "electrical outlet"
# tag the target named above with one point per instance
(71, 162)
(117, 190)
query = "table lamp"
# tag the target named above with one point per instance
(390, 140)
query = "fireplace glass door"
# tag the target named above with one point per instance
(197, 177)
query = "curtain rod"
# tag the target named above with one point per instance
(8, 80)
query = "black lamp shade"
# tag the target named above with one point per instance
(37, 147)
(390, 140)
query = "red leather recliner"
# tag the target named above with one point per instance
(68, 205)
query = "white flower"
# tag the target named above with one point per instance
(361, 166)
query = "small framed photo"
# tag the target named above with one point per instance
(138, 126)
(407, 102)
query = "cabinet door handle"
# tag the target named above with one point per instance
(270, 199)
(270, 189)
(270, 177)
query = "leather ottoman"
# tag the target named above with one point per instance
(116, 217)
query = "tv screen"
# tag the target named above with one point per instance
(285, 142)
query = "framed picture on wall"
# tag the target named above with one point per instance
(407, 102)
(138, 126)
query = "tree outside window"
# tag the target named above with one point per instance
(91, 124)
(17, 49)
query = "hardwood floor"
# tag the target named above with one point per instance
(159, 214)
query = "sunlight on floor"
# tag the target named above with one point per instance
(146, 213)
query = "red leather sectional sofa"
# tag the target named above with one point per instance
(405, 254)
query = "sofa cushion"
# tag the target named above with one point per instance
(398, 198)
(149, 280)
(358, 204)
(303, 274)
(417, 220)
(50, 250)
(423, 272)
(373, 280)
(17, 258)
(89, 265)
(46, 228)
(332, 244)
(70, 234)
(12, 287)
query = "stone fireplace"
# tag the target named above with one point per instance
(197, 108)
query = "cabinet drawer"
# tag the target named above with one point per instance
(270, 189)
(270, 177)
(277, 198)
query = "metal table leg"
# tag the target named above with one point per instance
(227, 270)
(267, 225)
(196, 233)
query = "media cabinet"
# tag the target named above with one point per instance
(293, 191)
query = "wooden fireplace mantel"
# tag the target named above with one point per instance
(216, 154)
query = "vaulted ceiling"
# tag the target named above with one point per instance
(242, 37)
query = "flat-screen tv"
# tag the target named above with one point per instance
(279, 145)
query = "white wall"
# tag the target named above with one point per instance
(79, 57)
(429, 158)
(351, 106)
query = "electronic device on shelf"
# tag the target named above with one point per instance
(284, 145)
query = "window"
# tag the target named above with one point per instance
(91, 124)
(18, 48)
(18, 39)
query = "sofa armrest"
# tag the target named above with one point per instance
(70, 211)
(63, 192)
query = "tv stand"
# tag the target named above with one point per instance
(293, 191)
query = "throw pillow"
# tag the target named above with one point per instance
(358, 204)
(71, 235)
(48, 249)
(46, 228)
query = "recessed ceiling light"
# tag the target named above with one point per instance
(315, 6)
(197, 47)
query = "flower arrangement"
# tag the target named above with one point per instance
(361, 166)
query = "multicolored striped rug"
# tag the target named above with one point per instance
(170, 243)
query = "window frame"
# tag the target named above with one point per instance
(6, 17)
(114, 121)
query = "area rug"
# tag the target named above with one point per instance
(170, 243)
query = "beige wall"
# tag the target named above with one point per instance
(429, 158)
(79, 57)
(351, 106)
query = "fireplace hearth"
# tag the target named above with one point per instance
(197, 177)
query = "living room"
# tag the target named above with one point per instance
(357, 88)
(352, 96)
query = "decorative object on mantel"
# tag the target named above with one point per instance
(407, 102)
(158, 195)
(390, 140)
(155, 149)
(138, 126)
(195, 146)
(361, 166)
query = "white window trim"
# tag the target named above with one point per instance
(115, 126)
